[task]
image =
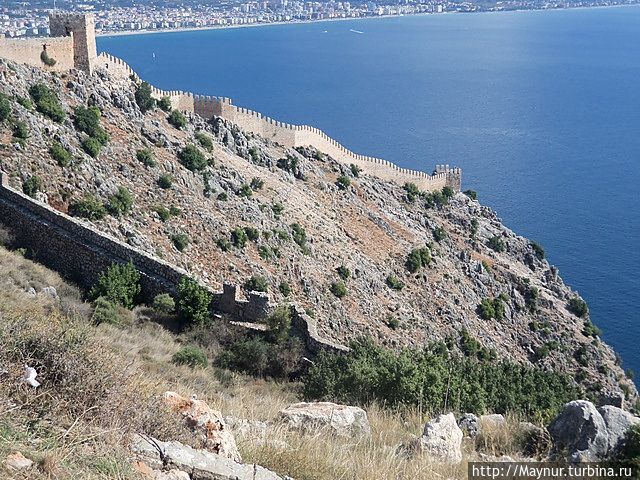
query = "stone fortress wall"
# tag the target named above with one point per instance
(80, 252)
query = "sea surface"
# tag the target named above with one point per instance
(541, 109)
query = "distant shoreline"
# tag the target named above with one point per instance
(302, 22)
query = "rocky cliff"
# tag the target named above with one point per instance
(334, 240)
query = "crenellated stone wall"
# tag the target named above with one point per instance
(29, 51)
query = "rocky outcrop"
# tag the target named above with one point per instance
(207, 423)
(441, 439)
(580, 433)
(165, 457)
(618, 421)
(343, 420)
(469, 424)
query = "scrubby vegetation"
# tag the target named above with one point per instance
(120, 203)
(60, 154)
(193, 301)
(578, 307)
(192, 158)
(120, 284)
(32, 185)
(89, 207)
(143, 97)
(145, 156)
(47, 102)
(418, 258)
(496, 244)
(177, 119)
(191, 356)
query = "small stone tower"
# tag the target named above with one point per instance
(81, 27)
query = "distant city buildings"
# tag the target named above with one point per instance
(20, 19)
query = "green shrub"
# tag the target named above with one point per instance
(223, 197)
(177, 119)
(581, 355)
(413, 191)
(175, 211)
(255, 356)
(60, 154)
(279, 323)
(120, 284)
(355, 170)
(277, 209)
(471, 347)
(164, 104)
(256, 283)
(474, 226)
(344, 272)
(394, 283)
(439, 234)
(339, 289)
(193, 301)
(537, 249)
(590, 330)
(180, 241)
(46, 59)
(239, 237)
(91, 146)
(89, 207)
(299, 234)
(472, 194)
(32, 185)
(496, 243)
(190, 356)
(492, 308)
(418, 258)
(629, 451)
(5, 107)
(87, 120)
(578, 307)
(163, 213)
(204, 140)
(105, 311)
(245, 191)
(143, 97)
(223, 244)
(120, 203)
(437, 198)
(20, 131)
(164, 303)
(434, 377)
(252, 233)
(24, 101)
(46, 102)
(254, 153)
(343, 182)
(145, 156)
(165, 181)
(256, 184)
(192, 158)
(285, 289)
(447, 192)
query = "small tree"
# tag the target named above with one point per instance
(143, 97)
(190, 356)
(120, 203)
(119, 284)
(60, 154)
(192, 158)
(418, 258)
(339, 289)
(32, 185)
(239, 237)
(193, 301)
(89, 207)
(5, 107)
(256, 283)
(165, 104)
(165, 181)
(355, 170)
(46, 102)
(177, 119)
(279, 323)
(578, 307)
(145, 156)
(164, 303)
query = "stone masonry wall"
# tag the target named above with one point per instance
(82, 26)
(28, 50)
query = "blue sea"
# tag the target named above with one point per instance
(541, 109)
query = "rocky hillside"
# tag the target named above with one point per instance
(363, 256)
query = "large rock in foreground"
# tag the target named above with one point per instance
(618, 421)
(442, 439)
(343, 420)
(199, 464)
(580, 432)
(207, 423)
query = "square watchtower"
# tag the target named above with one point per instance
(81, 26)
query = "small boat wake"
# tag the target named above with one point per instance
(355, 31)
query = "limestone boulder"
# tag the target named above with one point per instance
(17, 461)
(442, 439)
(209, 424)
(580, 433)
(618, 421)
(493, 421)
(343, 420)
(469, 424)
(170, 458)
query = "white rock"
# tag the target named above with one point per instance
(17, 461)
(618, 422)
(442, 439)
(343, 420)
(579, 431)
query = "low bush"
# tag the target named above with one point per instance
(145, 156)
(89, 207)
(343, 182)
(413, 191)
(180, 241)
(339, 289)
(537, 250)
(223, 244)
(239, 237)
(344, 272)
(143, 97)
(590, 330)
(394, 283)
(60, 154)
(105, 311)
(165, 181)
(163, 213)
(204, 140)
(299, 234)
(474, 227)
(435, 379)
(252, 233)
(164, 303)
(285, 289)
(87, 120)
(492, 308)
(5, 107)
(25, 102)
(245, 191)
(193, 302)
(47, 102)
(496, 243)
(192, 158)
(439, 234)
(164, 104)
(256, 283)
(255, 356)
(91, 146)
(177, 119)
(418, 258)
(32, 185)
(20, 131)
(119, 284)
(277, 209)
(279, 323)
(223, 197)
(120, 203)
(190, 356)
(472, 194)
(355, 170)
(629, 451)
(471, 347)
(578, 307)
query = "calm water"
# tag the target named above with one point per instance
(540, 109)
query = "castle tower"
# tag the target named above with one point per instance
(81, 27)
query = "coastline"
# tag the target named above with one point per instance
(326, 20)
